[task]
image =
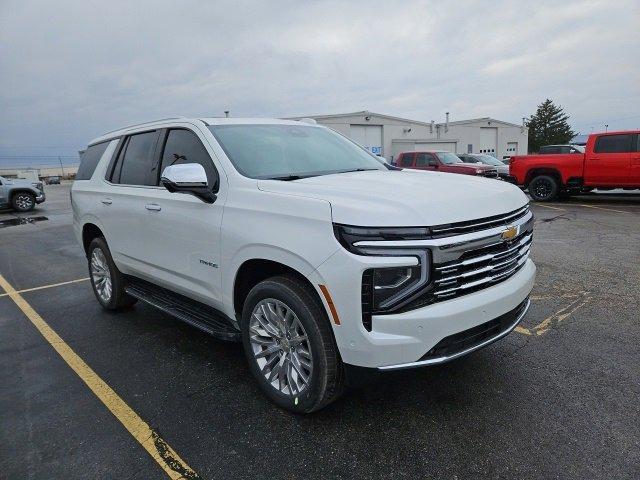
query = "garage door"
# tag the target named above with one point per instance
(369, 136)
(489, 141)
(446, 146)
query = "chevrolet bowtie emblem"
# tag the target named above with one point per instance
(509, 233)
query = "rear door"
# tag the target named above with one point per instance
(634, 167)
(609, 164)
(131, 177)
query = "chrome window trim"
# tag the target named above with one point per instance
(439, 360)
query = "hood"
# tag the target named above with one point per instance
(472, 166)
(404, 197)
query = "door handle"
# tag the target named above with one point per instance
(107, 201)
(154, 207)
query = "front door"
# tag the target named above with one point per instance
(3, 194)
(426, 161)
(609, 164)
(182, 233)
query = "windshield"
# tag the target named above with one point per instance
(489, 160)
(448, 158)
(291, 151)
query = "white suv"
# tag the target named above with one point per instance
(324, 261)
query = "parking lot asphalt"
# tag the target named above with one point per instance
(558, 398)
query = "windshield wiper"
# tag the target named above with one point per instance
(357, 170)
(288, 178)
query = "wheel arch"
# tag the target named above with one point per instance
(552, 172)
(254, 270)
(89, 232)
(16, 191)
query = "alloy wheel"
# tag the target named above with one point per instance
(280, 347)
(24, 202)
(101, 275)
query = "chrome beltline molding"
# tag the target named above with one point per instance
(439, 360)
(446, 241)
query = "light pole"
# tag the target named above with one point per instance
(606, 127)
(61, 167)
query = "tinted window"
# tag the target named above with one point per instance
(138, 165)
(184, 146)
(422, 159)
(89, 160)
(613, 144)
(406, 160)
(549, 149)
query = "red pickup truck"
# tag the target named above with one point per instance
(443, 162)
(611, 160)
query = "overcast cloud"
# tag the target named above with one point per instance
(71, 70)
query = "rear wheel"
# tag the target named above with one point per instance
(23, 201)
(543, 188)
(107, 281)
(289, 345)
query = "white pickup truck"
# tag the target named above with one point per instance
(324, 261)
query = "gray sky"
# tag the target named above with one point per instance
(71, 70)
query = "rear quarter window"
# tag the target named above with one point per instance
(89, 160)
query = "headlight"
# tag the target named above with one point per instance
(390, 288)
(348, 235)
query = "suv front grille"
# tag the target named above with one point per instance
(471, 226)
(478, 269)
(490, 174)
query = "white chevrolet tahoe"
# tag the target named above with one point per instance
(324, 261)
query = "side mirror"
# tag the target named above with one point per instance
(188, 178)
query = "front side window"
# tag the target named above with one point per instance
(138, 163)
(184, 146)
(613, 144)
(448, 158)
(280, 151)
(422, 159)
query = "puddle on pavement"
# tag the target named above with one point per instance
(12, 222)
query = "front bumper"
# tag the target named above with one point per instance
(402, 340)
(41, 198)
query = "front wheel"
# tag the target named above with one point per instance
(23, 202)
(543, 188)
(289, 345)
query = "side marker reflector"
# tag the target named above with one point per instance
(332, 307)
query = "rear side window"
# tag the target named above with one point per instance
(184, 146)
(137, 164)
(546, 150)
(406, 160)
(613, 144)
(89, 160)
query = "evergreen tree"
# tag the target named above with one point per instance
(548, 126)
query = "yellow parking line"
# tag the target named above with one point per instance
(549, 206)
(162, 453)
(600, 208)
(522, 330)
(47, 286)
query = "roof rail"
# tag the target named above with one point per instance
(143, 123)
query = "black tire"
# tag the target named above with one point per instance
(23, 201)
(543, 188)
(327, 376)
(118, 298)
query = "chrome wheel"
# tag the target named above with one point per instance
(280, 347)
(101, 275)
(24, 201)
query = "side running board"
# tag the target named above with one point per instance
(201, 316)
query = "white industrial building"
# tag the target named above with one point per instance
(387, 136)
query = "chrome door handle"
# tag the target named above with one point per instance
(107, 201)
(154, 207)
